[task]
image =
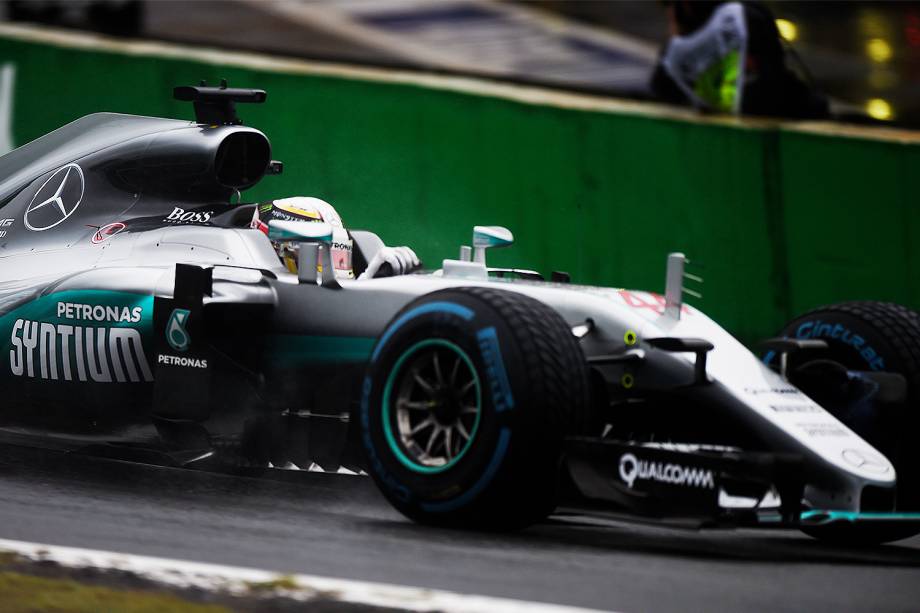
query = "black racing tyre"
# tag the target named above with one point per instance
(468, 395)
(869, 336)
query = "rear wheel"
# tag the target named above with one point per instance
(865, 336)
(467, 398)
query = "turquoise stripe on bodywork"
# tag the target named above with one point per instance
(827, 517)
(125, 310)
(304, 349)
(44, 308)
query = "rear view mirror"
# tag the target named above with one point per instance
(485, 237)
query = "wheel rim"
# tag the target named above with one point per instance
(432, 406)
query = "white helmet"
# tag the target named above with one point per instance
(304, 208)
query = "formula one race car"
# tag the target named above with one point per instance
(143, 319)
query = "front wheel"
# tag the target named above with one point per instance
(467, 397)
(865, 337)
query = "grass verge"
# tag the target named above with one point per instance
(21, 593)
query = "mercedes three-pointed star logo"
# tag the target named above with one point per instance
(56, 200)
(869, 462)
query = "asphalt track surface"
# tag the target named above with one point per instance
(338, 526)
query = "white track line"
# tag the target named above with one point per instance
(236, 580)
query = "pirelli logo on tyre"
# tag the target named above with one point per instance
(495, 369)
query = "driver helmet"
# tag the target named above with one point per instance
(303, 208)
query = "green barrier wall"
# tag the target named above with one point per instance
(779, 219)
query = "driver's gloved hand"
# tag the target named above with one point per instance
(390, 262)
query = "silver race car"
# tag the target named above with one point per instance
(142, 318)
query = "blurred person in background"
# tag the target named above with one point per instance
(728, 57)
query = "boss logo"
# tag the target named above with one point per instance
(180, 214)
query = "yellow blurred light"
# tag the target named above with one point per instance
(787, 29)
(878, 50)
(879, 109)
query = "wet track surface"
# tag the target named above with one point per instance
(339, 526)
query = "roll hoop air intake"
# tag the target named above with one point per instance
(216, 105)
